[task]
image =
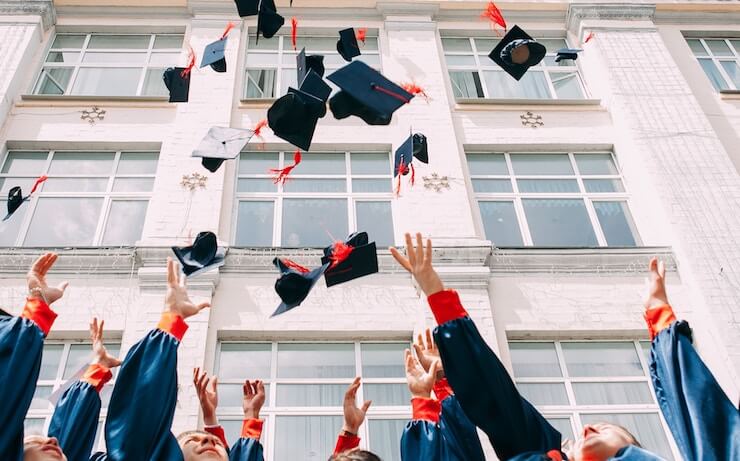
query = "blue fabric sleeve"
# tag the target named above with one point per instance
(703, 421)
(21, 347)
(75, 421)
(422, 440)
(459, 435)
(487, 394)
(246, 449)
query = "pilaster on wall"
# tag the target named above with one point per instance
(667, 132)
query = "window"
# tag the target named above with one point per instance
(91, 198)
(60, 362)
(552, 200)
(720, 59)
(108, 65)
(271, 64)
(474, 75)
(305, 385)
(326, 196)
(583, 382)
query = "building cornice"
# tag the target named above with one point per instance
(609, 16)
(43, 8)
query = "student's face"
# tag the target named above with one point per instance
(600, 442)
(202, 447)
(40, 448)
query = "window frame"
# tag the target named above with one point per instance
(716, 59)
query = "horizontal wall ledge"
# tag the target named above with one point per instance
(50, 99)
(519, 104)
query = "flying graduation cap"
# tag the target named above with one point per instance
(567, 53)
(295, 283)
(366, 93)
(305, 63)
(177, 80)
(268, 20)
(203, 255)
(414, 147)
(214, 55)
(517, 52)
(16, 198)
(347, 45)
(221, 144)
(351, 259)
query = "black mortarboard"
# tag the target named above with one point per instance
(567, 53)
(178, 82)
(404, 155)
(294, 284)
(201, 256)
(221, 144)
(247, 7)
(361, 261)
(16, 198)
(293, 117)
(214, 56)
(4, 313)
(269, 21)
(347, 45)
(513, 40)
(420, 148)
(304, 63)
(366, 93)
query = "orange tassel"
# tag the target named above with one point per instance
(258, 129)
(229, 26)
(281, 174)
(493, 14)
(415, 89)
(295, 266)
(191, 63)
(294, 31)
(339, 253)
(38, 183)
(361, 35)
(589, 37)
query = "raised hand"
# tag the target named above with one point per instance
(102, 356)
(254, 398)
(419, 264)
(656, 294)
(177, 300)
(428, 353)
(354, 415)
(419, 380)
(207, 390)
(36, 278)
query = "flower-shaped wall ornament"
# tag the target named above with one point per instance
(531, 120)
(194, 181)
(93, 115)
(436, 182)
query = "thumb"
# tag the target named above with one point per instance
(366, 405)
(661, 269)
(433, 369)
(63, 286)
(202, 306)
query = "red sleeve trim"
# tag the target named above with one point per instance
(252, 428)
(218, 431)
(446, 306)
(425, 409)
(97, 375)
(442, 389)
(37, 311)
(346, 442)
(658, 319)
(173, 324)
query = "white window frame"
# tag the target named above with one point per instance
(587, 197)
(735, 57)
(479, 55)
(108, 196)
(277, 197)
(270, 411)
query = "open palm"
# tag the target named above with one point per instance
(36, 278)
(101, 353)
(657, 295)
(177, 300)
(419, 380)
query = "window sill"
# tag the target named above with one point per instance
(62, 100)
(730, 94)
(256, 103)
(484, 103)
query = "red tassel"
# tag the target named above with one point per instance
(229, 26)
(493, 14)
(390, 93)
(361, 35)
(413, 174)
(294, 31)
(295, 266)
(589, 37)
(415, 89)
(258, 129)
(281, 174)
(38, 183)
(191, 63)
(339, 253)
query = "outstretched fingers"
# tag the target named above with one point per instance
(410, 251)
(419, 250)
(400, 259)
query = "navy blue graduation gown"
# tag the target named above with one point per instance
(422, 437)
(458, 433)
(248, 447)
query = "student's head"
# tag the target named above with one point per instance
(42, 448)
(199, 445)
(601, 441)
(355, 455)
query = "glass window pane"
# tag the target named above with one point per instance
(645, 347)
(254, 224)
(80, 163)
(33, 426)
(612, 393)
(736, 44)
(244, 361)
(167, 41)
(257, 162)
(76, 185)
(601, 186)
(534, 360)
(230, 397)
(616, 222)
(713, 74)
(154, 84)
(697, 48)
(487, 164)
(305, 437)
(260, 83)
(553, 44)
(119, 41)
(63, 56)
(321, 163)
(541, 164)
(125, 222)
(485, 45)
(559, 223)
(544, 394)
(376, 219)
(64, 222)
(296, 360)
(164, 60)
(646, 427)
(501, 224)
(602, 359)
(457, 44)
(363, 163)
(492, 185)
(79, 357)
(533, 85)
(110, 57)
(256, 185)
(54, 80)
(314, 44)
(50, 361)
(383, 360)
(262, 44)
(315, 185)
(385, 436)
(601, 164)
(548, 185)
(138, 163)
(102, 81)
(466, 84)
(387, 394)
(563, 426)
(732, 69)
(24, 163)
(312, 222)
(371, 186)
(718, 47)
(9, 229)
(289, 79)
(24, 183)
(41, 398)
(454, 60)
(566, 84)
(310, 395)
(68, 41)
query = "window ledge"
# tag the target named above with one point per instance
(471, 103)
(730, 94)
(162, 101)
(253, 103)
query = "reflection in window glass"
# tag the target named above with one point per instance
(541, 164)
(375, 218)
(602, 359)
(316, 360)
(544, 394)
(254, 224)
(612, 393)
(64, 222)
(384, 437)
(500, 223)
(82, 163)
(312, 222)
(310, 395)
(616, 222)
(305, 437)
(125, 222)
(534, 359)
(559, 223)
(383, 360)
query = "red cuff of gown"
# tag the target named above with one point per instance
(442, 389)
(218, 431)
(173, 324)
(37, 311)
(97, 375)
(252, 428)
(446, 306)
(659, 318)
(346, 442)
(425, 409)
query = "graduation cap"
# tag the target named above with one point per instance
(221, 144)
(366, 93)
(177, 80)
(347, 45)
(16, 198)
(213, 55)
(304, 63)
(268, 20)
(403, 158)
(567, 53)
(517, 52)
(295, 283)
(419, 148)
(201, 256)
(351, 259)
(4, 313)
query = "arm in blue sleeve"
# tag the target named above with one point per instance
(422, 440)
(246, 449)
(459, 434)
(75, 421)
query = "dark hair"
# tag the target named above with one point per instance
(356, 455)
